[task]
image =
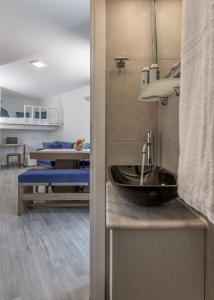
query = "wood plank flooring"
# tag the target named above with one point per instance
(44, 254)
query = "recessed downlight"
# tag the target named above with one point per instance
(38, 63)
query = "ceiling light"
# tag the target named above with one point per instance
(38, 63)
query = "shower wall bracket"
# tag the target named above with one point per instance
(120, 62)
(164, 100)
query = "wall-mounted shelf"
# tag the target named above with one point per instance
(160, 90)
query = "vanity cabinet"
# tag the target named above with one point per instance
(155, 253)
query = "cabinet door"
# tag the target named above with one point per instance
(157, 264)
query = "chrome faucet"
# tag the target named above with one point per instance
(148, 148)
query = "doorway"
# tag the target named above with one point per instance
(46, 95)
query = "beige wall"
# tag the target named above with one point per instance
(129, 34)
(168, 134)
(169, 45)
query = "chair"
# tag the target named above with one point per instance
(18, 155)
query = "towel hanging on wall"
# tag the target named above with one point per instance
(196, 123)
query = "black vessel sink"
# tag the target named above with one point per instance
(159, 185)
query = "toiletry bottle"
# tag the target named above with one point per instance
(154, 73)
(144, 78)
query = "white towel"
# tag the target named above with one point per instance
(196, 124)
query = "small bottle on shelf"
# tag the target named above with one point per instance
(154, 73)
(144, 77)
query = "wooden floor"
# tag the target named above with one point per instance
(44, 254)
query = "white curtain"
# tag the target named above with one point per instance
(196, 124)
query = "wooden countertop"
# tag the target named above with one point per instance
(61, 154)
(121, 214)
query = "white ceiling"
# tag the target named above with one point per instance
(54, 31)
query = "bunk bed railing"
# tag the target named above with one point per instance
(35, 115)
(42, 114)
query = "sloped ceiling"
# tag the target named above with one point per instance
(54, 31)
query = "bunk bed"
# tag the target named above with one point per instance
(32, 117)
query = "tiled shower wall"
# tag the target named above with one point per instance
(168, 134)
(127, 119)
(169, 45)
(128, 34)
